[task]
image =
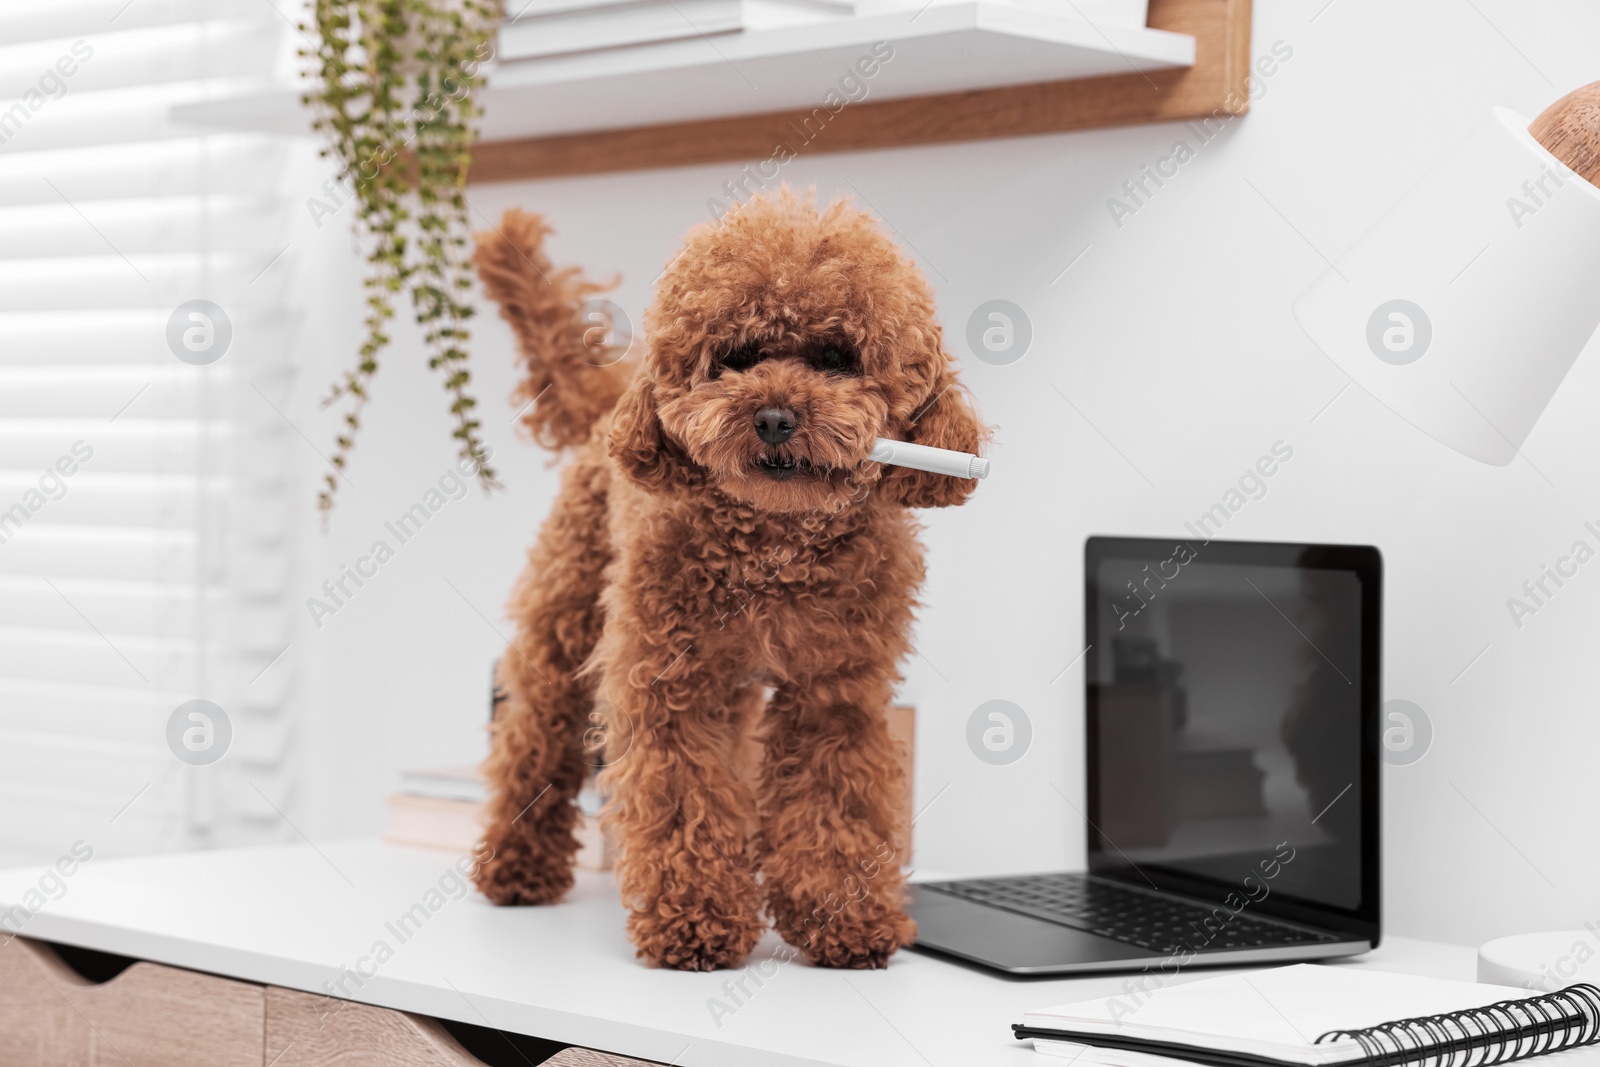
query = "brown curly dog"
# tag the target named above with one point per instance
(726, 582)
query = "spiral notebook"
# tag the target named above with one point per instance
(1310, 1015)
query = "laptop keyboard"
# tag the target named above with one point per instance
(1146, 920)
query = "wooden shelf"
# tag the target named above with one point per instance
(964, 70)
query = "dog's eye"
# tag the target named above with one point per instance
(834, 359)
(742, 358)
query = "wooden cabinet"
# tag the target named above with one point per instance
(308, 1030)
(151, 1015)
(148, 1014)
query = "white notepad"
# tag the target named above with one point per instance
(1278, 1015)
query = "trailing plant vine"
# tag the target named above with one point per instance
(393, 94)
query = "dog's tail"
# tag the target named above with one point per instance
(573, 352)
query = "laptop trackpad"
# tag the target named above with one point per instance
(1010, 941)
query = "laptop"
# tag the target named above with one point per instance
(1231, 695)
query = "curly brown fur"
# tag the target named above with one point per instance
(564, 355)
(690, 563)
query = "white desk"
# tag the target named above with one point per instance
(294, 915)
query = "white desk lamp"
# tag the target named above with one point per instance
(1462, 310)
(1463, 307)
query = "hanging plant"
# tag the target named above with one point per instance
(393, 94)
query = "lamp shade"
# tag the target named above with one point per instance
(1464, 306)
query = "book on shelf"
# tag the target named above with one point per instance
(520, 11)
(564, 27)
(1096, 12)
(445, 783)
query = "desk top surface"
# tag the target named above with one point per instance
(300, 915)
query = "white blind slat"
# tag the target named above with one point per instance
(55, 69)
(117, 116)
(103, 499)
(44, 20)
(141, 279)
(127, 336)
(129, 552)
(104, 658)
(192, 167)
(129, 444)
(159, 391)
(136, 227)
(122, 605)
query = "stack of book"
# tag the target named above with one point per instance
(536, 28)
(444, 808)
(1098, 12)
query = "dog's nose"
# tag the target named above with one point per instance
(775, 425)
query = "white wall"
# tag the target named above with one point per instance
(1173, 334)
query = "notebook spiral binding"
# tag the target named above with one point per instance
(1508, 1030)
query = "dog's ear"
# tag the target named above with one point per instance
(946, 420)
(641, 446)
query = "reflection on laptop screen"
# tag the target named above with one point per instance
(1225, 717)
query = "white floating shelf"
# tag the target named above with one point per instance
(948, 47)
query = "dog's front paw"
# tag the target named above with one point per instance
(693, 935)
(860, 934)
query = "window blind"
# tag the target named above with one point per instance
(143, 509)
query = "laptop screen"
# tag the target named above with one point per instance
(1231, 703)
